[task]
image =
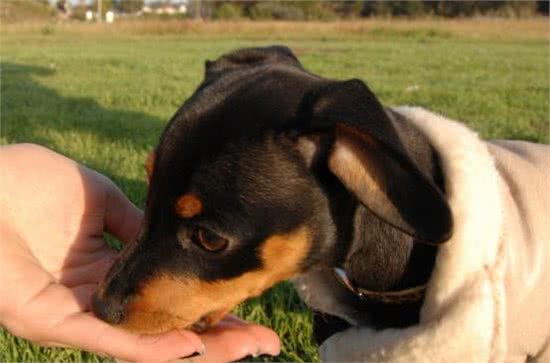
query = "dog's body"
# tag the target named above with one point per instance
(488, 296)
(269, 172)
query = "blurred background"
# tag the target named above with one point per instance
(97, 80)
(264, 10)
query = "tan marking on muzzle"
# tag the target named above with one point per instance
(166, 302)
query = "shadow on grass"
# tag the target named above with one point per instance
(30, 110)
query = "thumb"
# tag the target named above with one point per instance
(233, 339)
(122, 217)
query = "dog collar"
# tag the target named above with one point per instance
(410, 295)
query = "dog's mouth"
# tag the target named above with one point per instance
(157, 322)
(201, 325)
(207, 321)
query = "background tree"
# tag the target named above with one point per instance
(128, 6)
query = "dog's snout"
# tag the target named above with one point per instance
(108, 309)
(109, 302)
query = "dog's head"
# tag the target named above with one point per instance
(247, 187)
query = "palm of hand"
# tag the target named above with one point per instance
(68, 246)
(57, 212)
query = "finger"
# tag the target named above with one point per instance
(232, 319)
(88, 251)
(122, 217)
(91, 272)
(83, 295)
(89, 333)
(233, 339)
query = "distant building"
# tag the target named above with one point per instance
(170, 8)
(110, 16)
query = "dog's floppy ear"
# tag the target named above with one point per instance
(367, 156)
(249, 57)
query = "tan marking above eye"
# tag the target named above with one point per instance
(188, 206)
(166, 302)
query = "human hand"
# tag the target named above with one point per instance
(52, 256)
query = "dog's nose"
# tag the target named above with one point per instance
(108, 309)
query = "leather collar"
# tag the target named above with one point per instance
(396, 297)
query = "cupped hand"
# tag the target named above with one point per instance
(54, 213)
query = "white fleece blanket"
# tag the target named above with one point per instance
(463, 317)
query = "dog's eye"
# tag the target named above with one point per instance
(208, 240)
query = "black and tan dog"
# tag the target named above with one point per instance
(269, 172)
(265, 172)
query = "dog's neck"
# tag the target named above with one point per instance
(380, 257)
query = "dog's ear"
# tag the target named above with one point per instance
(367, 156)
(249, 57)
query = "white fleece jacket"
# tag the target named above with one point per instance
(488, 299)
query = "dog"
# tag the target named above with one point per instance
(269, 172)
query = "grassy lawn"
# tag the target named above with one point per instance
(102, 96)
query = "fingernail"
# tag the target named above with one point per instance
(271, 351)
(193, 339)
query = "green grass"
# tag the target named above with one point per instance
(103, 99)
